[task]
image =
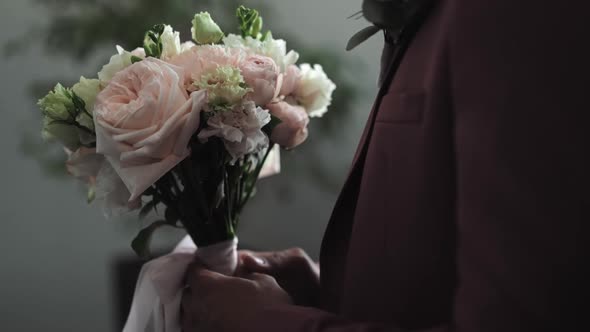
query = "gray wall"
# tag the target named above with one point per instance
(56, 252)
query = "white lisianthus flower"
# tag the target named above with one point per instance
(186, 46)
(314, 91)
(58, 110)
(170, 43)
(205, 30)
(240, 128)
(117, 63)
(275, 49)
(87, 89)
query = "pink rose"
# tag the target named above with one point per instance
(144, 119)
(261, 74)
(290, 80)
(292, 130)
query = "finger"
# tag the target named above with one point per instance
(186, 312)
(192, 313)
(260, 278)
(256, 263)
(274, 262)
(199, 278)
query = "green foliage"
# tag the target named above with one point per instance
(250, 22)
(361, 36)
(152, 41)
(141, 243)
(135, 59)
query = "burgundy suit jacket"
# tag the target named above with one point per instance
(467, 205)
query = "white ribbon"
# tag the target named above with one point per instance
(156, 302)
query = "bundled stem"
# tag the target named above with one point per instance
(205, 195)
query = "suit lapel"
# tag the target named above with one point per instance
(336, 239)
(391, 59)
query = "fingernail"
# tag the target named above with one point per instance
(259, 261)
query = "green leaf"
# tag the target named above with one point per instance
(141, 243)
(171, 216)
(274, 121)
(386, 13)
(91, 194)
(266, 36)
(152, 42)
(135, 59)
(361, 36)
(79, 103)
(147, 209)
(250, 22)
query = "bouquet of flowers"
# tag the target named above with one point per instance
(189, 127)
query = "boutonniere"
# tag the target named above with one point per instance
(391, 16)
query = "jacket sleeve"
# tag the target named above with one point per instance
(520, 80)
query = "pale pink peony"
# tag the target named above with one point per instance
(144, 119)
(261, 74)
(203, 59)
(291, 79)
(292, 130)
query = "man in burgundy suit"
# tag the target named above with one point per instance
(466, 208)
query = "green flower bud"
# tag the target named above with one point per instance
(257, 27)
(58, 104)
(205, 30)
(65, 117)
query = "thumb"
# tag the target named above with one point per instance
(256, 263)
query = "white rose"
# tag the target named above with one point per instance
(117, 63)
(240, 129)
(314, 91)
(170, 43)
(275, 49)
